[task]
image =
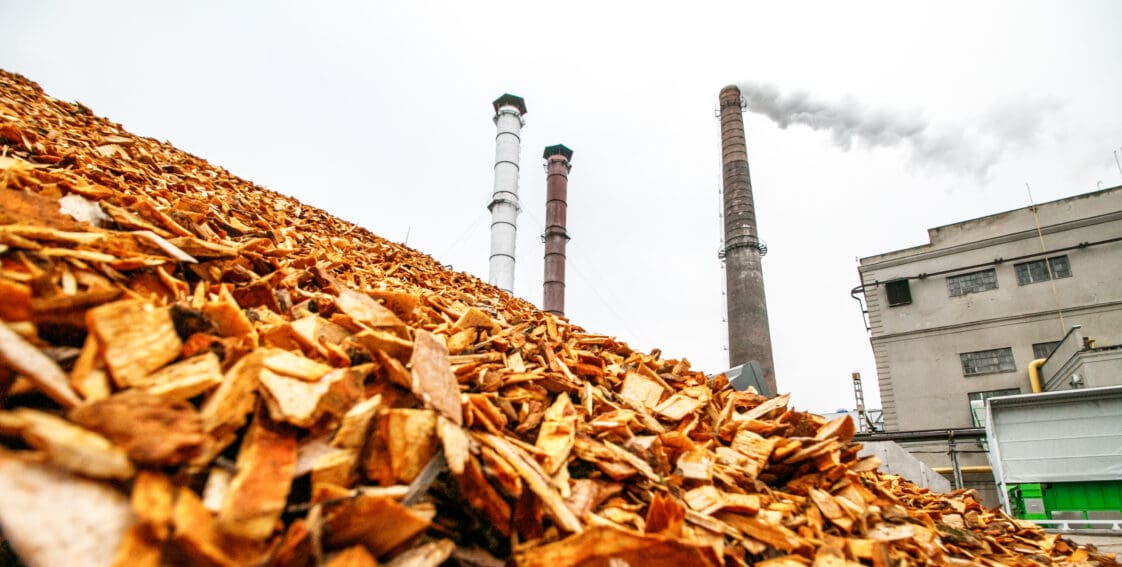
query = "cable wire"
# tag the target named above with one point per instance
(447, 252)
(591, 286)
(1047, 261)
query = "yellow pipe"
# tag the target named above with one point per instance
(1034, 374)
(964, 470)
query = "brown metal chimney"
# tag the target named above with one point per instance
(556, 237)
(749, 335)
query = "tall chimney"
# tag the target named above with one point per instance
(749, 336)
(504, 205)
(557, 168)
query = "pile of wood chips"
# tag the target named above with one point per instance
(197, 370)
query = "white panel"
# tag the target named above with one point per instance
(1054, 438)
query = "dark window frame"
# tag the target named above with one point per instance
(1043, 270)
(899, 292)
(989, 361)
(986, 394)
(972, 282)
(983, 395)
(1039, 348)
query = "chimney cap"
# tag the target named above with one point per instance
(558, 149)
(510, 100)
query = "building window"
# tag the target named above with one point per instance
(1044, 350)
(1038, 271)
(898, 293)
(978, 402)
(988, 361)
(973, 282)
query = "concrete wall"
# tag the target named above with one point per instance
(1063, 356)
(917, 346)
(1095, 367)
(1104, 542)
(896, 460)
(1094, 281)
(986, 487)
(1085, 206)
(935, 454)
(924, 370)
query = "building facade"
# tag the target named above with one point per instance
(963, 317)
(1081, 361)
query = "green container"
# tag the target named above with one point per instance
(1027, 501)
(1065, 500)
(1084, 496)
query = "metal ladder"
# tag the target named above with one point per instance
(859, 395)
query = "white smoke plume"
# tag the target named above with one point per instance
(962, 149)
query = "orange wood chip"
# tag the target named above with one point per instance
(259, 490)
(399, 411)
(432, 378)
(136, 338)
(151, 429)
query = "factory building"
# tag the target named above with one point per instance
(1020, 301)
(963, 316)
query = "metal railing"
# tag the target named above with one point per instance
(1067, 525)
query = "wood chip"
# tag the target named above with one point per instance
(535, 479)
(642, 390)
(195, 532)
(378, 523)
(362, 309)
(138, 549)
(82, 522)
(602, 544)
(400, 412)
(430, 554)
(185, 379)
(69, 446)
(257, 494)
(410, 439)
(136, 338)
(153, 497)
(355, 427)
(557, 434)
(151, 430)
(229, 318)
(302, 403)
(226, 409)
(292, 365)
(455, 443)
(30, 362)
(354, 556)
(432, 378)
(392, 345)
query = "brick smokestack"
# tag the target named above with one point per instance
(557, 168)
(504, 205)
(749, 335)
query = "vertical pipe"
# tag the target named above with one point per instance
(504, 204)
(749, 334)
(557, 167)
(955, 468)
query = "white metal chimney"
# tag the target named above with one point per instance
(504, 205)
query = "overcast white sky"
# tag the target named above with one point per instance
(381, 113)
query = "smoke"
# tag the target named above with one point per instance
(970, 149)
